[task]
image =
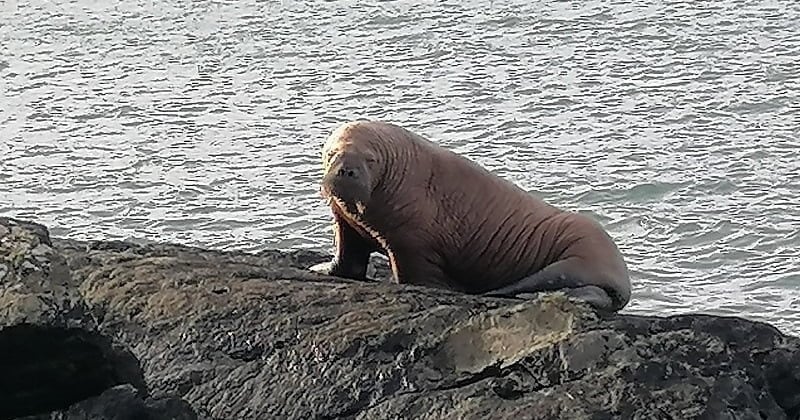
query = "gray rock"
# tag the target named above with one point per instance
(239, 335)
(122, 402)
(51, 352)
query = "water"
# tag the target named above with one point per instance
(676, 124)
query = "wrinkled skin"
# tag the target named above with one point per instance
(444, 221)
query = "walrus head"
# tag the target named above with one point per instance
(348, 169)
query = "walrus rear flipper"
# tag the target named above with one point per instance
(593, 295)
(557, 277)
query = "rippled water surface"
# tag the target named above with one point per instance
(676, 124)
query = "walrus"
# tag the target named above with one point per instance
(445, 221)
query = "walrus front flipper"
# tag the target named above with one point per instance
(352, 252)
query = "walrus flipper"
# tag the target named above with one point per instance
(352, 253)
(552, 278)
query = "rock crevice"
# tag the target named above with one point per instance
(49, 368)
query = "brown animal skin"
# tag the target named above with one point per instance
(444, 221)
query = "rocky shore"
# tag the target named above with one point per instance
(115, 330)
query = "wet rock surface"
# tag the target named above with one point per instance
(51, 352)
(224, 335)
(122, 402)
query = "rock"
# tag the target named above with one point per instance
(122, 402)
(51, 352)
(36, 286)
(238, 335)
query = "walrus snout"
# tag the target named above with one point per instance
(350, 172)
(348, 179)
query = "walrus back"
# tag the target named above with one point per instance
(501, 233)
(483, 230)
(497, 232)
